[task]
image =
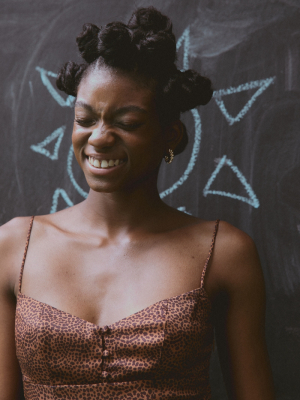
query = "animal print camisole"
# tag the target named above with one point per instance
(160, 352)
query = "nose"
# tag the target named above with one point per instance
(102, 136)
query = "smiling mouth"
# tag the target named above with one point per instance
(104, 164)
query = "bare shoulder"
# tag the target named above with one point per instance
(13, 236)
(236, 264)
(64, 221)
(234, 242)
(14, 227)
(13, 233)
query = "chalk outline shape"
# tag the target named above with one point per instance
(183, 209)
(185, 39)
(252, 200)
(69, 102)
(262, 84)
(55, 198)
(71, 176)
(40, 147)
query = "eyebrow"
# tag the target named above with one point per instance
(119, 111)
(84, 105)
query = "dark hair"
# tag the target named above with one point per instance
(145, 45)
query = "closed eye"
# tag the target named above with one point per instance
(128, 127)
(84, 122)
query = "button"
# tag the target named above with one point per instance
(105, 353)
(105, 374)
(105, 329)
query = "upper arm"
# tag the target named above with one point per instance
(12, 240)
(240, 318)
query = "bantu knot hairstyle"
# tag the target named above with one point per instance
(69, 77)
(145, 45)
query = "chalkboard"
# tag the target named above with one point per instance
(242, 163)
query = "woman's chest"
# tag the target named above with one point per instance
(105, 283)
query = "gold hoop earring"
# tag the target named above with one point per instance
(170, 157)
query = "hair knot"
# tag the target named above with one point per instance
(87, 42)
(69, 77)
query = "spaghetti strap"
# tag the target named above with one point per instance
(210, 253)
(25, 252)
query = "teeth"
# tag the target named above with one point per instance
(104, 163)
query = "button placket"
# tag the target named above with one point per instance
(105, 353)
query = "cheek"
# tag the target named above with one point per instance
(157, 142)
(78, 140)
(152, 149)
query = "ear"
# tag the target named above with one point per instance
(173, 135)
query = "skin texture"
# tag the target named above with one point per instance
(123, 249)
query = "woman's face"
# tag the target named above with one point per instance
(117, 138)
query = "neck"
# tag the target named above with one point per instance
(124, 211)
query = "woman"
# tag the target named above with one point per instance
(120, 294)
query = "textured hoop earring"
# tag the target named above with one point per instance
(170, 157)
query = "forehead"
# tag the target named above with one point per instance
(105, 87)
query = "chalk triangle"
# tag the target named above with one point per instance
(56, 196)
(68, 102)
(252, 199)
(261, 86)
(58, 134)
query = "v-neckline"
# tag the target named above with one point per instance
(99, 327)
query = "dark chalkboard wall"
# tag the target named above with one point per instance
(242, 163)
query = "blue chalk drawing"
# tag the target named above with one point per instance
(261, 84)
(252, 200)
(71, 176)
(183, 209)
(193, 158)
(40, 147)
(185, 39)
(60, 192)
(68, 102)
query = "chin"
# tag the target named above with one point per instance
(101, 187)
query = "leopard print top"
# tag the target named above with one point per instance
(160, 352)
